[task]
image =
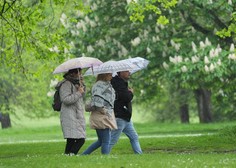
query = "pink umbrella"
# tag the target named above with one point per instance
(81, 62)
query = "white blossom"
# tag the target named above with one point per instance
(54, 49)
(210, 2)
(96, 18)
(194, 47)
(90, 49)
(136, 41)
(157, 30)
(206, 68)
(219, 62)
(150, 17)
(92, 24)
(202, 45)
(80, 14)
(174, 31)
(162, 26)
(193, 30)
(179, 59)
(145, 33)
(50, 93)
(213, 53)
(154, 39)
(207, 42)
(113, 51)
(221, 92)
(81, 25)
(212, 67)
(195, 59)
(215, 30)
(176, 59)
(66, 51)
(74, 33)
(157, 38)
(94, 6)
(230, 2)
(184, 69)
(53, 83)
(87, 20)
(63, 20)
(232, 56)
(172, 43)
(163, 54)
(172, 21)
(231, 48)
(124, 50)
(63, 16)
(119, 53)
(172, 59)
(71, 44)
(186, 60)
(165, 65)
(206, 60)
(128, 1)
(149, 50)
(101, 43)
(177, 47)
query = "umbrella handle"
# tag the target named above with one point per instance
(92, 70)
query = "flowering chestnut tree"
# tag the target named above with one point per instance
(182, 45)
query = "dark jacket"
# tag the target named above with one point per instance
(122, 104)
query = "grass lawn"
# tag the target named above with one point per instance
(164, 145)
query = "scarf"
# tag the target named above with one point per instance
(74, 80)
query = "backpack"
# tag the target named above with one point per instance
(56, 105)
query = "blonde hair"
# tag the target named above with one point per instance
(103, 77)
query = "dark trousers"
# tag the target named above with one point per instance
(73, 145)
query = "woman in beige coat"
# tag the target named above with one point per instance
(72, 111)
(102, 117)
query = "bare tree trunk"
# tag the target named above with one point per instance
(5, 120)
(203, 98)
(184, 111)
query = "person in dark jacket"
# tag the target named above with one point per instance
(123, 111)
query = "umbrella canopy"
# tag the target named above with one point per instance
(138, 63)
(81, 62)
(109, 67)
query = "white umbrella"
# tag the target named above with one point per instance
(81, 62)
(109, 67)
(138, 63)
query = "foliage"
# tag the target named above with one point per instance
(38, 35)
(106, 32)
(32, 27)
(138, 9)
(32, 44)
(194, 22)
(231, 29)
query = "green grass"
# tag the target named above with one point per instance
(27, 146)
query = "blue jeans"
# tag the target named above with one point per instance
(127, 128)
(104, 136)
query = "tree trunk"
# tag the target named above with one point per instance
(5, 120)
(184, 111)
(203, 98)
